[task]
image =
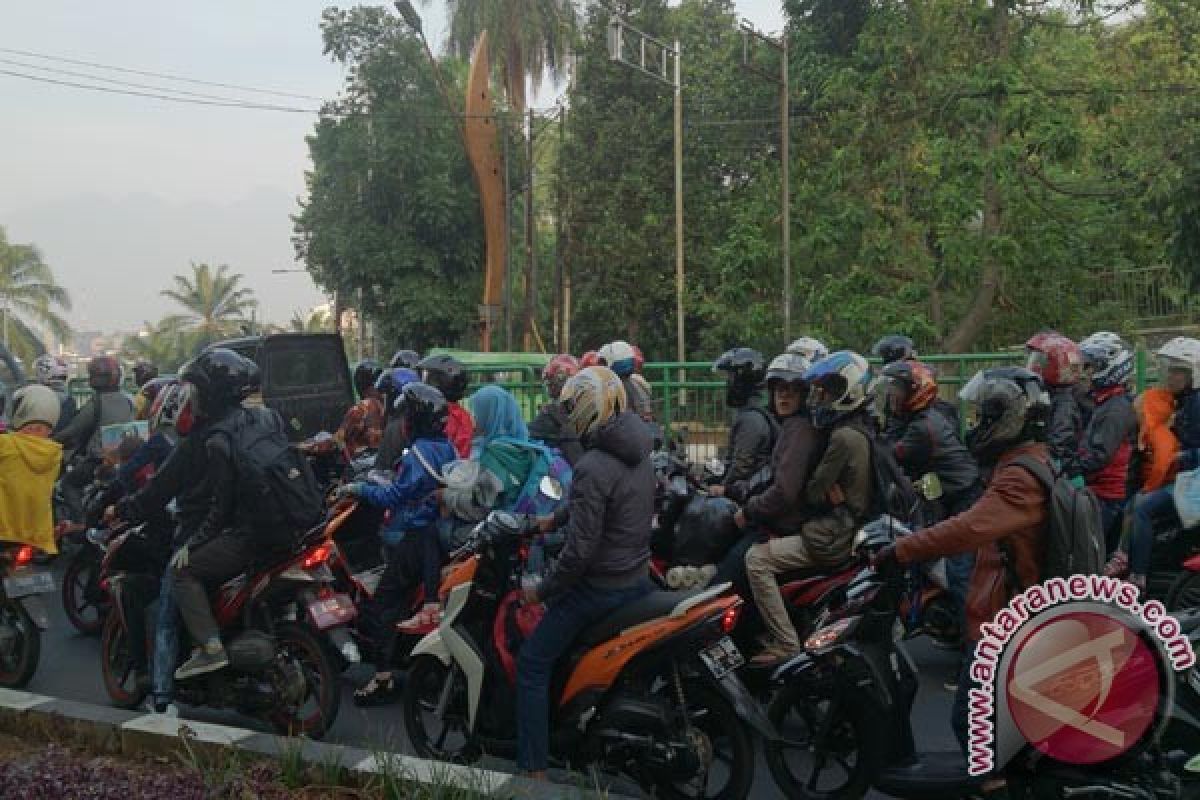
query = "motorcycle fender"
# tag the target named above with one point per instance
(746, 707)
(37, 611)
(432, 644)
(793, 669)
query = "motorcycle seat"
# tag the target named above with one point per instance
(654, 605)
(794, 575)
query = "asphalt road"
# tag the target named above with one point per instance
(70, 669)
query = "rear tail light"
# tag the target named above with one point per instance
(729, 619)
(318, 555)
(24, 556)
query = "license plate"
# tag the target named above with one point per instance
(23, 583)
(722, 658)
(329, 612)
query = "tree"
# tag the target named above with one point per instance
(162, 344)
(29, 297)
(318, 321)
(215, 303)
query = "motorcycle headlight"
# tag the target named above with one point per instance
(831, 634)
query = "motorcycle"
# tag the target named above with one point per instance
(279, 620)
(1175, 566)
(22, 615)
(650, 691)
(843, 709)
(85, 603)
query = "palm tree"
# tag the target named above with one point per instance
(216, 306)
(28, 297)
(161, 344)
(318, 321)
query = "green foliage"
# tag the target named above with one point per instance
(29, 298)
(214, 304)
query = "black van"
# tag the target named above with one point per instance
(305, 377)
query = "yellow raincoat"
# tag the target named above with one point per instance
(29, 465)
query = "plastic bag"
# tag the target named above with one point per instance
(705, 531)
(1187, 497)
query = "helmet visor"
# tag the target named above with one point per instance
(1174, 373)
(1037, 362)
(890, 394)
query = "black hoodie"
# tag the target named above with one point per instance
(609, 511)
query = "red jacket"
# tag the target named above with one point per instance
(1107, 444)
(460, 430)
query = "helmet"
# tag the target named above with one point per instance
(445, 373)
(787, 368)
(745, 370)
(153, 388)
(589, 359)
(556, 373)
(34, 403)
(1181, 353)
(906, 386)
(1010, 406)
(174, 409)
(1054, 357)
(144, 371)
(222, 379)
(812, 349)
(619, 356)
(50, 369)
(405, 358)
(894, 347)
(591, 398)
(424, 410)
(392, 381)
(1107, 358)
(639, 360)
(838, 387)
(104, 373)
(366, 372)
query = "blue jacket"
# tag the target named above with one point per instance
(153, 451)
(411, 498)
(1187, 429)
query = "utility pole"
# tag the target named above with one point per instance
(635, 49)
(785, 136)
(530, 269)
(560, 342)
(508, 304)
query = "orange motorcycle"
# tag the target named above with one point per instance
(650, 691)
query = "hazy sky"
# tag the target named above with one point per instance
(122, 192)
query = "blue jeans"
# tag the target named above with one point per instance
(1111, 514)
(166, 640)
(1146, 508)
(567, 616)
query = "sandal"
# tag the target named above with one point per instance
(377, 692)
(423, 621)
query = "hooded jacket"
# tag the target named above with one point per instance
(1107, 444)
(1157, 444)
(411, 497)
(751, 440)
(780, 507)
(1066, 424)
(610, 506)
(29, 466)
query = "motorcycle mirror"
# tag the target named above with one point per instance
(715, 467)
(930, 486)
(550, 487)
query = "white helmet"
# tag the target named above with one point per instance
(34, 403)
(812, 349)
(49, 369)
(619, 356)
(1108, 358)
(840, 383)
(1180, 353)
(592, 397)
(788, 368)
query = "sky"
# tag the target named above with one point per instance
(120, 193)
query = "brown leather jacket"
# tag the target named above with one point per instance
(1013, 508)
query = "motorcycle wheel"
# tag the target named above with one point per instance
(316, 713)
(843, 765)
(1184, 592)
(80, 580)
(432, 736)
(18, 664)
(120, 681)
(731, 768)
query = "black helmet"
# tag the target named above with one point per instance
(745, 370)
(222, 379)
(1010, 406)
(894, 347)
(104, 373)
(424, 410)
(366, 372)
(405, 358)
(446, 374)
(144, 371)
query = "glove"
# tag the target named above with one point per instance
(885, 557)
(180, 559)
(348, 490)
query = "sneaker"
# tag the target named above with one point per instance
(772, 654)
(209, 658)
(1117, 566)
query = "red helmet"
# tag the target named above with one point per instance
(104, 373)
(558, 371)
(1054, 357)
(639, 360)
(907, 386)
(589, 359)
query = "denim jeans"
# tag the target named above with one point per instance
(962, 697)
(1111, 513)
(1146, 508)
(166, 640)
(566, 617)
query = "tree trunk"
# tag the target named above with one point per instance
(530, 281)
(973, 322)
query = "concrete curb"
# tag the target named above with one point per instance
(136, 733)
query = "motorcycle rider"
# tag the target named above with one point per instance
(416, 555)
(52, 371)
(603, 564)
(836, 498)
(1102, 457)
(813, 350)
(1012, 408)
(620, 357)
(29, 464)
(143, 401)
(1059, 362)
(362, 427)
(894, 347)
(449, 376)
(754, 430)
(551, 424)
(143, 372)
(394, 440)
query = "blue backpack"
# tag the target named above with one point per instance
(547, 463)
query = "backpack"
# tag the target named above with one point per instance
(550, 464)
(892, 492)
(276, 494)
(1075, 532)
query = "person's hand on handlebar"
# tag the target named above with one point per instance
(885, 557)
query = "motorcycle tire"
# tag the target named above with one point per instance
(857, 727)
(120, 683)
(422, 692)
(1184, 592)
(318, 665)
(713, 716)
(86, 616)
(17, 667)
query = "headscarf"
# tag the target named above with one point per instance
(496, 414)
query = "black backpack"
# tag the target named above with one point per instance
(277, 496)
(892, 492)
(1075, 533)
